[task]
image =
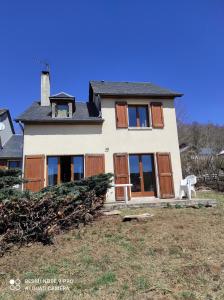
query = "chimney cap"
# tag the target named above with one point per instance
(45, 72)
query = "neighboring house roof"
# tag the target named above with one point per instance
(13, 148)
(184, 148)
(2, 112)
(84, 113)
(202, 151)
(206, 151)
(221, 152)
(130, 88)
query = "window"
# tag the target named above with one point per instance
(14, 164)
(65, 168)
(62, 110)
(138, 116)
(52, 163)
(78, 167)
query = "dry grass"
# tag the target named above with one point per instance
(178, 254)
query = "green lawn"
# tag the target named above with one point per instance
(177, 254)
(211, 195)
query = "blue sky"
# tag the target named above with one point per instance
(175, 44)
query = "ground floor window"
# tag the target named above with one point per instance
(52, 163)
(142, 174)
(13, 164)
(65, 168)
(78, 167)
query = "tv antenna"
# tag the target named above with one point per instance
(45, 65)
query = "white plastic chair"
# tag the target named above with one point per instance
(187, 186)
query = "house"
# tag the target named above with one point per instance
(221, 153)
(125, 128)
(197, 153)
(11, 144)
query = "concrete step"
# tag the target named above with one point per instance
(161, 203)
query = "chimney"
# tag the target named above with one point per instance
(45, 88)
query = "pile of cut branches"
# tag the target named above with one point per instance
(37, 217)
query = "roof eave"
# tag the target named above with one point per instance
(61, 99)
(12, 156)
(140, 95)
(62, 121)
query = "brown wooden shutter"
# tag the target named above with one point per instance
(34, 172)
(157, 115)
(165, 175)
(121, 114)
(121, 174)
(94, 164)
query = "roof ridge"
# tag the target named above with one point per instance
(111, 81)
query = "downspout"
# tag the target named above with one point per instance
(23, 160)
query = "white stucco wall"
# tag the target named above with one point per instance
(107, 139)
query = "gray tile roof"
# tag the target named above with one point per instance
(13, 148)
(130, 88)
(85, 112)
(2, 112)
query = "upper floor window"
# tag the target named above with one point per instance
(138, 116)
(62, 110)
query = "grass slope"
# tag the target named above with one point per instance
(178, 254)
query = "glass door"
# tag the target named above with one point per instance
(52, 170)
(135, 173)
(142, 174)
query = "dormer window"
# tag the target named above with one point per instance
(61, 110)
(62, 106)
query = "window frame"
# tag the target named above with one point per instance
(56, 109)
(72, 165)
(137, 106)
(14, 160)
(59, 167)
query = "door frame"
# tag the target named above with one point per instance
(144, 193)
